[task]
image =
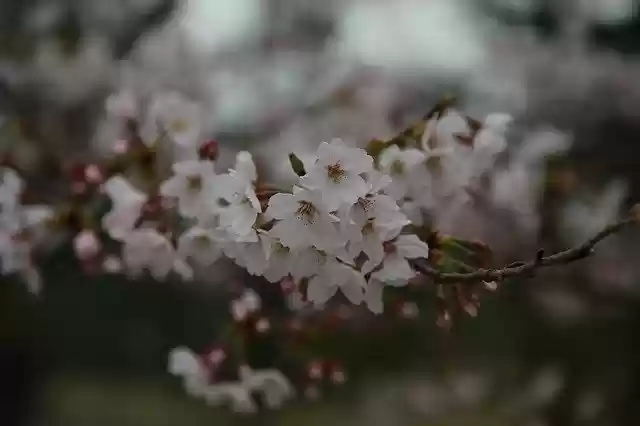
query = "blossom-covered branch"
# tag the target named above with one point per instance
(355, 224)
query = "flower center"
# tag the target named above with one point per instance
(306, 211)
(194, 183)
(336, 173)
(366, 203)
(179, 125)
(397, 168)
(368, 227)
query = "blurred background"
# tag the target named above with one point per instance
(282, 75)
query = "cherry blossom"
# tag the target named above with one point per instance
(176, 116)
(334, 275)
(201, 245)
(186, 365)
(127, 204)
(271, 383)
(399, 164)
(146, 249)
(194, 186)
(303, 221)
(396, 269)
(336, 173)
(237, 188)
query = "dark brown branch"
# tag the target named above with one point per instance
(528, 268)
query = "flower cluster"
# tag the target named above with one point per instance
(19, 229)
(342, 227)
(195, 371)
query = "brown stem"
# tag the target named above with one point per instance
(527, 268)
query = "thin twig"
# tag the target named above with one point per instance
(527, 268)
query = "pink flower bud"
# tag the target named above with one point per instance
(216, 356)
(263, 325)
(93, 174)
(314, 370)
(86, 244)
(120, 146)
(409, 310)
(209, 151)
(239, 311)
(288, 285)
(112, 265)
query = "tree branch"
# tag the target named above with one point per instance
(528, 268)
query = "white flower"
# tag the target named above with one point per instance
(281, 262)
(373, 221)
(185, 364)
(201, 245)
(194, 185)
(176, 116)
(396, 269)
(489, 142)
(236, 394)
(245, 305)
(127, 203)
(146, 249)
(334, 275)
(237, 188)
(20, 229)
(253, 254)
(336, 173)
(303, 221)
(11, 186)
(399, 164)
(274, 386)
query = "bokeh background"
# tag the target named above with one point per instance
(281, 75)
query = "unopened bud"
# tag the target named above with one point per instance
(490, 285)
(288, 285)
(409, 310)
(93, 174)
(297, 165)
(216, 356)
(471, 309)
(86, 244)
(209, 150)
(263, 325)
(314, 370)
(120, 147)
(112, 265)
(444, 321)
